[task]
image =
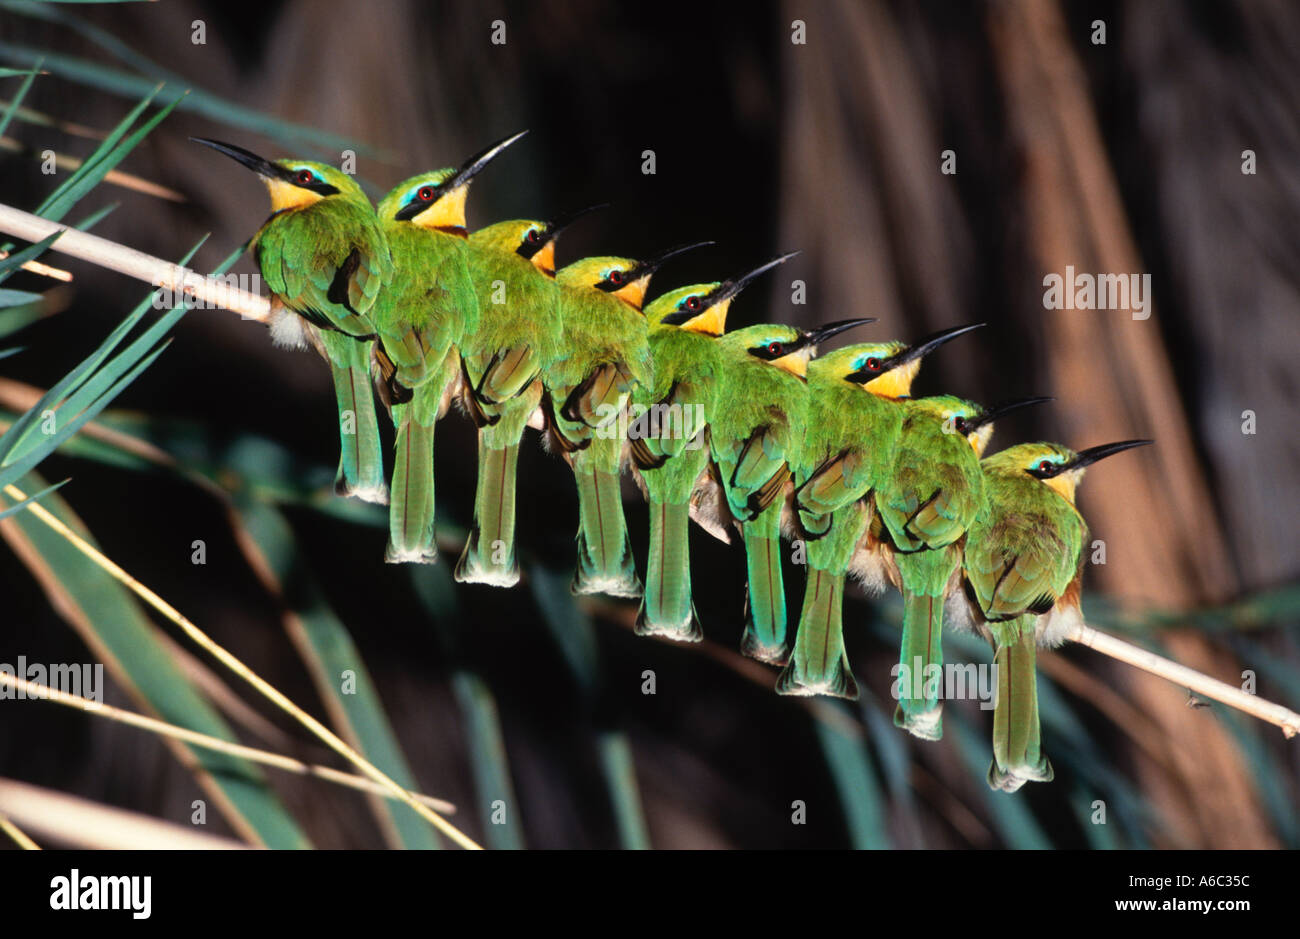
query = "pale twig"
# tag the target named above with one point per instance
(36, 691)
(1189, 678)
(17, 834)
(265, 688)
(172, 277)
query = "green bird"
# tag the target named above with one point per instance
(518, 339)
(606, 354)
(889, 375)
(421, 320)
(845, 454)
(1023, 564)
(670, 449)
(323, 254)
(763, 403)
(926, 506)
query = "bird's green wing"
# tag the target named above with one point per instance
(600, 397)
(503, 375)
(1022, 562)
(838, 482)
(328, 263)
(753, 471)
(668, 426)
(934, 494)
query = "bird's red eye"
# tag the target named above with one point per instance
(693, 304)
(1044, 466)
(873, 364)
(774, 348)
(305, 177)
(534, 236)
(616, 278)
(425, 194)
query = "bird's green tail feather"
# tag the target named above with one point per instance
(819, 663)
(410, 513)
(919, 710)
(925, 575)
(1017, 747)
(666, 607)
(765, 620)
(361, 454)
(489, 555)
(605, 563)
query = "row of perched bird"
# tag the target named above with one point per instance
(744, 431)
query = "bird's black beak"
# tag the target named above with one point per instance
(997, 411)
(1093, 454)
(259, 165)
(924, 347)
(475, 164)
(559, 224)
(649, 266)
(734, 285)
(815, 337)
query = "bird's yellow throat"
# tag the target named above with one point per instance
(288, 196)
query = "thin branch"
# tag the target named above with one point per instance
(1189, 678)
(34, 690)
(18, 835)
(265, 688)
(137, 264)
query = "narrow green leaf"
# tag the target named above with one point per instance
(853, 772)
(569, 626)
(10, 298)
(619, 770)
(94, 218)
(18, 507)
(488, 761)
(22, 93)
(17, 311)
(18, 258)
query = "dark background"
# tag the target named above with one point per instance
(1117, 157)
